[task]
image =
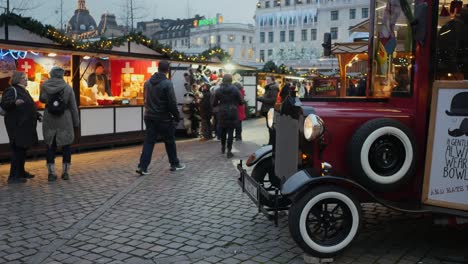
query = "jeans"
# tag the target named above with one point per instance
(239, 130)
(66, 153)
(17, 161)
(215, 126)
(206, 126)
(271, 133)
(166, 130)
(229, 132)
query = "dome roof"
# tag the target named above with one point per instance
(81, 22)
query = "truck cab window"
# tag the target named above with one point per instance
(393, 50)
(452, 42)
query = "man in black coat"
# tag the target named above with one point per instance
(268, 101)
(227, 97)
(160, 114)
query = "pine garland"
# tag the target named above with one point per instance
(56, 36)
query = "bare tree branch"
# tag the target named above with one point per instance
(131, 12)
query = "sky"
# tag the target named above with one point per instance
(48, 12)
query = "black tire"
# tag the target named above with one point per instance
(382, 154)
(264, 172)
(325, 220)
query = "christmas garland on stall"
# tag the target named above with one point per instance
(56, 36)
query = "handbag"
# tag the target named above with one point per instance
(3, 111)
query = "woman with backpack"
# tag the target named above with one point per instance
(21, 119)
(60, 119)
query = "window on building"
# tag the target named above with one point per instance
(267, 4)
(205, 40)
(212, 40)
(304, 35)
(231, 52)
(270, 21)
(282, 36)
(277, 2)
(291, 35)
(243, 52)
(251, 53)
(352, 13)
(334, 32)
(262, 55)
(250, 40)
(262, 37)
(334, 15)
(287, 3)
(309, 1)
(313, 34)
(315, 18)
(365, 12)
(270, 37)
(244, 38)
(270, 53)
(218, 39)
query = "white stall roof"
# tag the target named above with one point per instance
(16, 33)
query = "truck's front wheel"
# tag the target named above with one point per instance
(325, 220)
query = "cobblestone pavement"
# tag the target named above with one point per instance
(107, 214)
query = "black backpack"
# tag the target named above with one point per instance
(56, 105)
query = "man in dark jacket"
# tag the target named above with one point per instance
(100, 79)
(160, 115)
(268, 101)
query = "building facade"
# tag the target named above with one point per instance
(291, 32)
(195, 35)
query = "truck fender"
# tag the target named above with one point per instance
(301, 181)
(258, 155)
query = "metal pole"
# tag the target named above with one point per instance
(61, 16)
(6, 19)
(131, 14)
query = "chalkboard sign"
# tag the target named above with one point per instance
(446, 173)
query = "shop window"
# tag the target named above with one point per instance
(282, 36)
(452, 45)
(304, 35)
(287, 3)
(262, 55)
(270, 37)
(267, 4)
(334, 15)
(352, 13)
(313, 34)
(262, 37)
(392, 59)
(231, 52)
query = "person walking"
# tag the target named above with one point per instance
(160, 115)
(215, 109)
(240, 112)
(206, 112)
(20, 121)
(268, 101)
(227, 97)
(60, 120)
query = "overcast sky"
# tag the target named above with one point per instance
(233, 10)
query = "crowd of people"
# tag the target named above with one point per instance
(221, 107)
(59, 122)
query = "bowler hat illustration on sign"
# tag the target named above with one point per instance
(463, 130)
(459, 106)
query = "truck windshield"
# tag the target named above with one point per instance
(393, 49)
(452, 41)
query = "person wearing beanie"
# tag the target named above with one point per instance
(227, 97)
(100, 79)
(58, 128)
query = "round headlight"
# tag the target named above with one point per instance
(313, 127)
(270, 116)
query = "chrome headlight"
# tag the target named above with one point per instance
(270, 116)
(313, 127)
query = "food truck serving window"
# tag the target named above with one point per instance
(393, 49)
(452, 41)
